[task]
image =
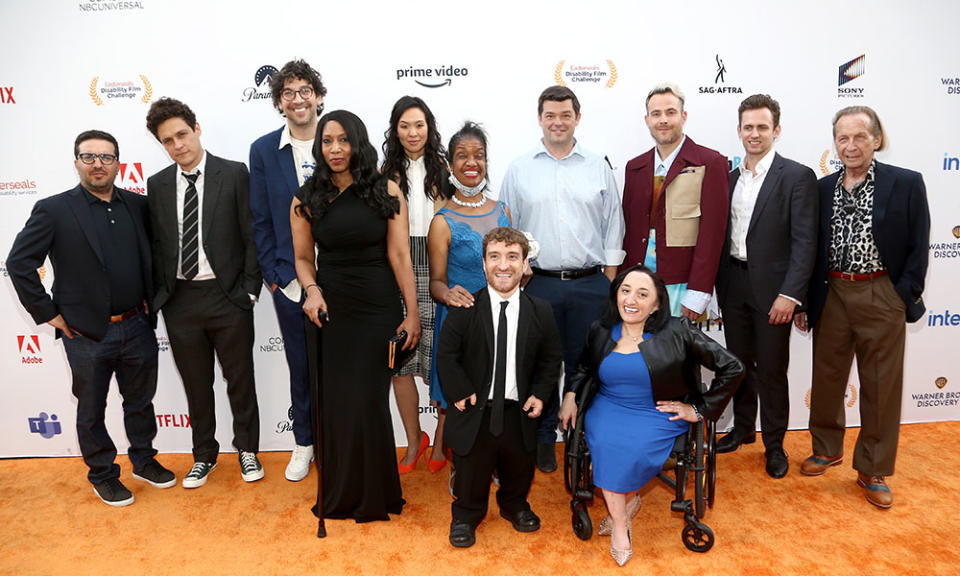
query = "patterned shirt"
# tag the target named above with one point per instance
(853, 248)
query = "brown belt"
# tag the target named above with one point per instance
(857, 277)
(126, 315)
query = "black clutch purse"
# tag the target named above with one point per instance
(396, 356)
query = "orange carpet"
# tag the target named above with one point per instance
(51, 523)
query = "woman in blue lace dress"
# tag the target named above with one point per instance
(455, 238)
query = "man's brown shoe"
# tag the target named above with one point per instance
(876, 490)
(817, 465)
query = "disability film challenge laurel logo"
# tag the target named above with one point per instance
(937, 398)
(849, 397)
(262, 79)
(104, 91)
(605, 74)
(829, 163)
(850, 71)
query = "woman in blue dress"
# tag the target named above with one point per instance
(454, 243)
(648, 366)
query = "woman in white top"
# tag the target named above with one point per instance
(413, 158)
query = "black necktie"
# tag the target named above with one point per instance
(189, 245)
(499, 374)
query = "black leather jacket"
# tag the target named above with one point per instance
(673, 356)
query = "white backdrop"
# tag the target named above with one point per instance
(73, 65)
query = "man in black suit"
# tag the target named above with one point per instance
(497, 374)
(867, 284)
(765, 267)
(207, 280)
(97, 239)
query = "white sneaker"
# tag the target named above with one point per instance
(299, 465)
(250, 468)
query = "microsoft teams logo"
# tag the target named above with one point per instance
(46, 426)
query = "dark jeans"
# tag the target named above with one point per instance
(290, 317)
(129, 351)
(576, 304)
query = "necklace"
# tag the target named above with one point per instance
(476, 204)
(632, 337)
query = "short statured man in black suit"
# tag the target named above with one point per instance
(207, 280)
(765, 267)
(97, 239)
(867, 283)
(498, 361)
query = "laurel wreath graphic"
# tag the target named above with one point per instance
(613, 74)
(558, 74)
(823, 163)
(147, 90)
(93, 91)
(853, 396)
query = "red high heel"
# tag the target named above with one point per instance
(424, 442)
(436, 465)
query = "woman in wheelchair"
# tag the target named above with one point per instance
(646, 399)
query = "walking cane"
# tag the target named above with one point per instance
(316, 402)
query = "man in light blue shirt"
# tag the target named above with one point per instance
(566, 197)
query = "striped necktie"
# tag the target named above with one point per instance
(189, 242)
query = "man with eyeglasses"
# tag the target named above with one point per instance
(280, 162)
(96, 236)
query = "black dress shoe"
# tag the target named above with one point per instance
(733, 440)
(546, 457)
(523, 521)
(461, 534)
(777, 463)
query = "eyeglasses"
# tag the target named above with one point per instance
(304, 92)
(105, 159)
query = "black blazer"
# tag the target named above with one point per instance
(465, 351)
(61, 226)
(227, 230)
(901, 229)
(673, 356)
(781, 237)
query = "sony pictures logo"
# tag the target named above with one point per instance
(719, 80)
(44, 425)
(850, 71)
(596, 74)
(438, 77)
(936, 399)
(261, 88)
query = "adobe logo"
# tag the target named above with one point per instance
(131, 177)
(29, 349)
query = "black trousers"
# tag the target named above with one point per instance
(201, 322)
(764, 350)
(506, 454)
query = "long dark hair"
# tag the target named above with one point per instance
(469, 131)
(318, 191)
(396, 161)
(657, 319)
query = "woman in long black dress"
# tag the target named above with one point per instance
(358, 220)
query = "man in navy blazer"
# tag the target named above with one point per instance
(97, 238)
(497, 373)
(765, 267)
(867, 282)
(280, 162)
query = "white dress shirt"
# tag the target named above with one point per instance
(513, 316)
(204, 270)
(744, 199)
(419, 207)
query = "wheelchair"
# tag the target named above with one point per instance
(694, 453)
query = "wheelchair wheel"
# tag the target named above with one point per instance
(711, 462)
(582, 526)
(697, 537)
(700, 474)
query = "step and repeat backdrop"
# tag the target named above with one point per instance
(73, 65)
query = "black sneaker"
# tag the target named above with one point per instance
(113, 493)
(546, 457)
(250, 468)
(156, 475)
(197, 476)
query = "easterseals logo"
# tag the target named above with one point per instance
(942, 320)
(274, 344)
(104, 91)
(948, 249)
(936, 399)
(587, 74)
(44, 425)
(131, 177)
(850, 71)
(6, 95)
(173, 420)
(849, 397)
(952, 85)
(829, 163)
(719, 81)
(30, 349)
(261, 88)
(109, 6)
(20, 187)
(438, 77)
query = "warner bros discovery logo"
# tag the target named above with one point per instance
(44, 425)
